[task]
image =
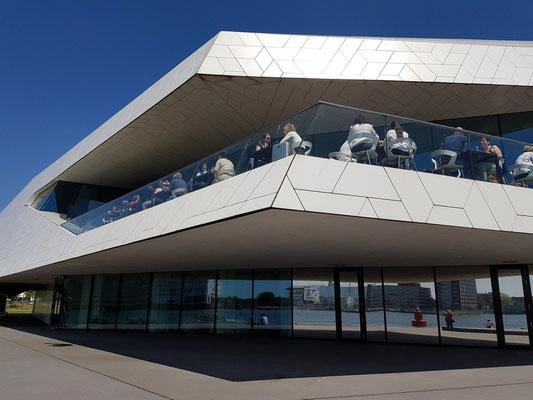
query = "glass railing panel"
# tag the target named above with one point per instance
(485, 157)
(330, 134)
(518, 159)
(337, 132)
(266, 146)
(441, 150)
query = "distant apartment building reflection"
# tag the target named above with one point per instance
(458, 295)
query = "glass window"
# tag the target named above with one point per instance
(272, 302)
(103, 313)
(513, 306)
(410, 305)
(375, 320)
(517, 126)
(330, 127)
(134, 292)
(487, 124)
(350, 307)
(198, 304)
(313, 301)
(465, 306)
(165, 301)
(84, 195)
(75, 302)
(234, 302)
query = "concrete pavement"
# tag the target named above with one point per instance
(38, 362)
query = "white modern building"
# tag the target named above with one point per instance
(114, 239)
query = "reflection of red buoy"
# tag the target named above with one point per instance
(419, 319)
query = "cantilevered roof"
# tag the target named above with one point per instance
(239, 83)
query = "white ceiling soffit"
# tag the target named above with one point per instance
(281, 238)
(208, 113)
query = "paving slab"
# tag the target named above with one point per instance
(39, 362)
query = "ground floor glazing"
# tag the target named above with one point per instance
(476, 306)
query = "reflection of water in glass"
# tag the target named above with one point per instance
(375, 318)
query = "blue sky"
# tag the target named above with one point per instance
(68, 66)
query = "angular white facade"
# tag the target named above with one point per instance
(239, 83)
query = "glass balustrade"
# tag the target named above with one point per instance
(343, 134)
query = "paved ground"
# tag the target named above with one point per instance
(39, 362)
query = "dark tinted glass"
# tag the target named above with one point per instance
(75, 302)
(165, 301)
(198, 304)
(104, 302)
(234, 302)
(485, 124)
(133, 301)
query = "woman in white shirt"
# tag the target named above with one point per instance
(396, 132)
(290, 134)
(525, 158)
(359, 125)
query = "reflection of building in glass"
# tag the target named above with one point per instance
(485, 301)
(458, 295)
(298, 296)
(198, 291)
(401, 297)
(312, 294)
(324, 296)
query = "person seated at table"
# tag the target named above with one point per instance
(456, 143)
(125, 210)
(400, 149)
(485, 168)
(360, 124)
(261, 155)
(162, 193)
(525, 158)
(202, 171)
(264, 142)
(291, 136)
(135, 204)
(177, 182)
(396, 132)
(111, 215)
(202, 178)
(223, 164)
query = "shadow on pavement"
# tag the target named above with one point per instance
(247, 358)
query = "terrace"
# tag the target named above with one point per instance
(323, 130)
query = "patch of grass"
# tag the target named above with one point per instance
(19, 308)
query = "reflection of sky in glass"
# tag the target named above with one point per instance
(512, 285)
(279, 288)
(237, 288)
